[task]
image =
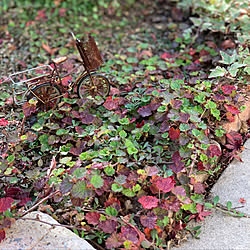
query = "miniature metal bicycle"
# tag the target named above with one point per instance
(45, 85)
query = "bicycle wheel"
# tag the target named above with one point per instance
(96, 85)
(47, 96)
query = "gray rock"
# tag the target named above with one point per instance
(28, 234)
(220, 232)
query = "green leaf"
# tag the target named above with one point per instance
(109, 171)
(111, 211)
(80, 173)
(218, 71)
(175, 85)
(229, 205)
(227, 59)
(128, 192)
(65, 160)
(216, 200)
(62, 131)
(132, 150)
(184, 127)
(79, 190)
(116, 187)
(196, 132)
(190, 207)
(97, 181)
(208, 205)
(215, 113)
(162, 108)
(123, 133)
(37, 126)
(124, 121)
(11, 158)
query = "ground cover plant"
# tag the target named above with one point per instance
(124, 171)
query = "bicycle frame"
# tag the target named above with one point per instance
(91, 60)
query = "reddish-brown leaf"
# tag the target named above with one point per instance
(114, 241)
(108, 226)
(2, 235)
(111, 103)
(149, 220)
(48, 49)
(214, 150)
(231, 109)
(166, 184)
(5, 203)
(178, 190)
(199, 188)
(145, 111)
(228, 44)
(148, 202)
(165, 56)
(113, 202)
(228, 89)
(29, 108)
(93, 218)
(230, 117)
(176, 104)
(174, 133)
(130, 234)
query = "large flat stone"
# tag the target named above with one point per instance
(220, 232)
(28, 234)
(234, 183)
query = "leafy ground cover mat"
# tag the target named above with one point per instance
(126, 171)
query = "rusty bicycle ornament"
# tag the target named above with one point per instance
(44, 83)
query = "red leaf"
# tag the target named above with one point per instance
(230, 117)
(232, 109)
(145, 111)
(2, 235)
(140, 125)
(200, 166)
(166, 184)
(93, 218)
(200, 213)
(228, 89)
(174, 133)
(149, 220)
(62, 11)
(148, 202)
(66, 80)
(5, 204)
(108, 226)
(165, 56)
(242, 200)
(3, 122)
(111, 103)
(214, 150)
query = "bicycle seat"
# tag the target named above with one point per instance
(60, 59)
